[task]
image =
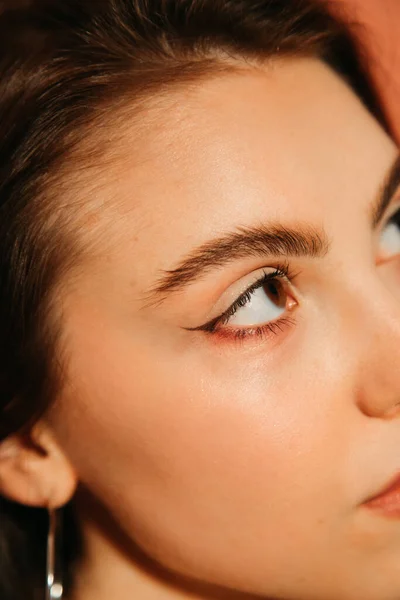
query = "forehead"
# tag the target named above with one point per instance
(288, 142)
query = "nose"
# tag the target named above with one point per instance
(378, 336)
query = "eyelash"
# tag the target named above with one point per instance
(395, 218)
(281, 272)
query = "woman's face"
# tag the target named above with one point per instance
(241, 449)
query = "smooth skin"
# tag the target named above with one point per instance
(242, 462)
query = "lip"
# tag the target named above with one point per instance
(387, 501)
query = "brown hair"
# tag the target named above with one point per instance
(66, 68)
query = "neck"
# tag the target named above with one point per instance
(112, 567)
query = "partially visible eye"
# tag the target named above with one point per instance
(390, 237)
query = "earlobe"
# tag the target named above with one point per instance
(34, 470)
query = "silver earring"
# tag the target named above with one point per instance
(54, 586)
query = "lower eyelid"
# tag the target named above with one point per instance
(271, 330)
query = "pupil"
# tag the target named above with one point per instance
(275, 293)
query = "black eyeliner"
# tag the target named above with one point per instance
(281, 271)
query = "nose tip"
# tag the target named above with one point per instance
(377, 344)
(377, 403)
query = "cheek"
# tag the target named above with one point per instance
(389, 273)
(191, 454)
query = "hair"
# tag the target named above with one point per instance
(67, 68)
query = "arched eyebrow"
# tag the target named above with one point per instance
(270, 241)
(389, 187)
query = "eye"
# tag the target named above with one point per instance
(261, 309)
(390, 237)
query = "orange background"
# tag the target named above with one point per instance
(380, 34)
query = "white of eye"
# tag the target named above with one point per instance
(267, 304)
(390, 239)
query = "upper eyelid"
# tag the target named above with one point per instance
(222, 315)
(244, 283)
(226, 312)
(284, 272)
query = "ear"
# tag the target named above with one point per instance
(34, 470)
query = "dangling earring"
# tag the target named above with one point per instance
(54, 587)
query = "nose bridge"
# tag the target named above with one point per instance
(376, 335)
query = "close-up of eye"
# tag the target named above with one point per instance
(262, 308)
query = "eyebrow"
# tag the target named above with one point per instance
(385, 196)
(246, 242)
(272, 240)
